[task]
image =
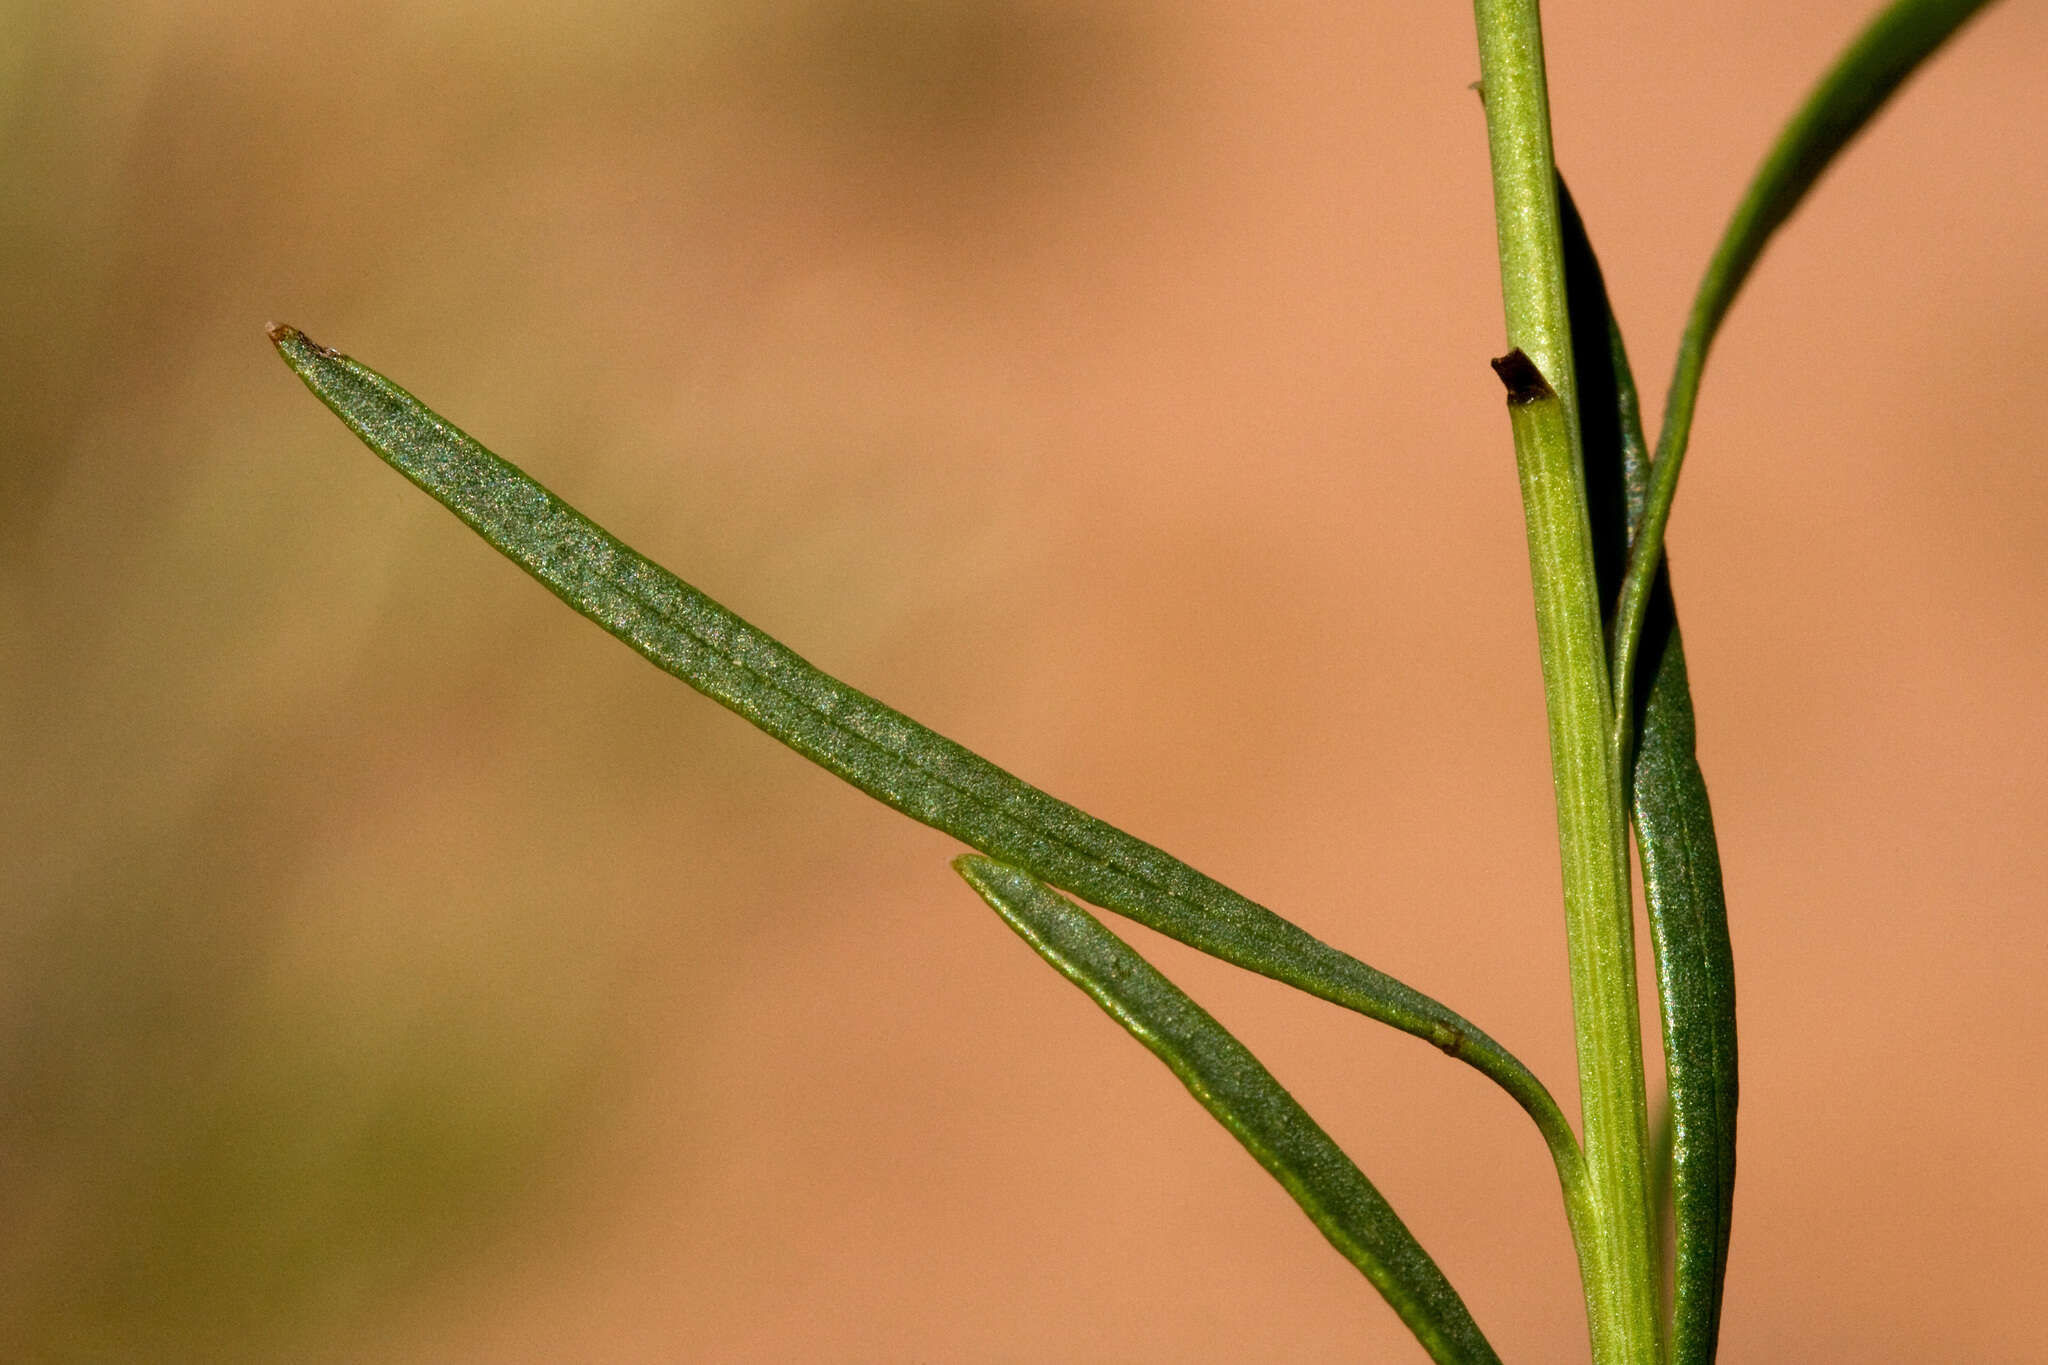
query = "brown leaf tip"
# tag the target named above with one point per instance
(283, 334)
(1525, 383)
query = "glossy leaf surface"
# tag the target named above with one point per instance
(1243, 1096)
(877, 749)
(1674, 826)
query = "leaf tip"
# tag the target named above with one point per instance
(1001, 885)
(296, 345)
(975, 869)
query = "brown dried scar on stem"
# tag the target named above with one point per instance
(1448, 1037)
(1525, 383)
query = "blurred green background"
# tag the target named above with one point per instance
(394, 968)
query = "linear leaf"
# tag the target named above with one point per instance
(1232, 1085)
(1696, 982)
(879, 750)
(1674, 826)
(1875, 65)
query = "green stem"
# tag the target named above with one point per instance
(1616, 1253)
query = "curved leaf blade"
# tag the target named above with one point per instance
(875, 748)
(1875, 65)
(1674, 825)
(1244, 1097)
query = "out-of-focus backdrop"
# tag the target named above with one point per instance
(394, 968)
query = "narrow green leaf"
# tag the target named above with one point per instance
(1232, 1085)
(1865, 76)
(1696, 981)
(879, 750)
(1674, 826)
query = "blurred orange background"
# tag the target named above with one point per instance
(394, 968)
